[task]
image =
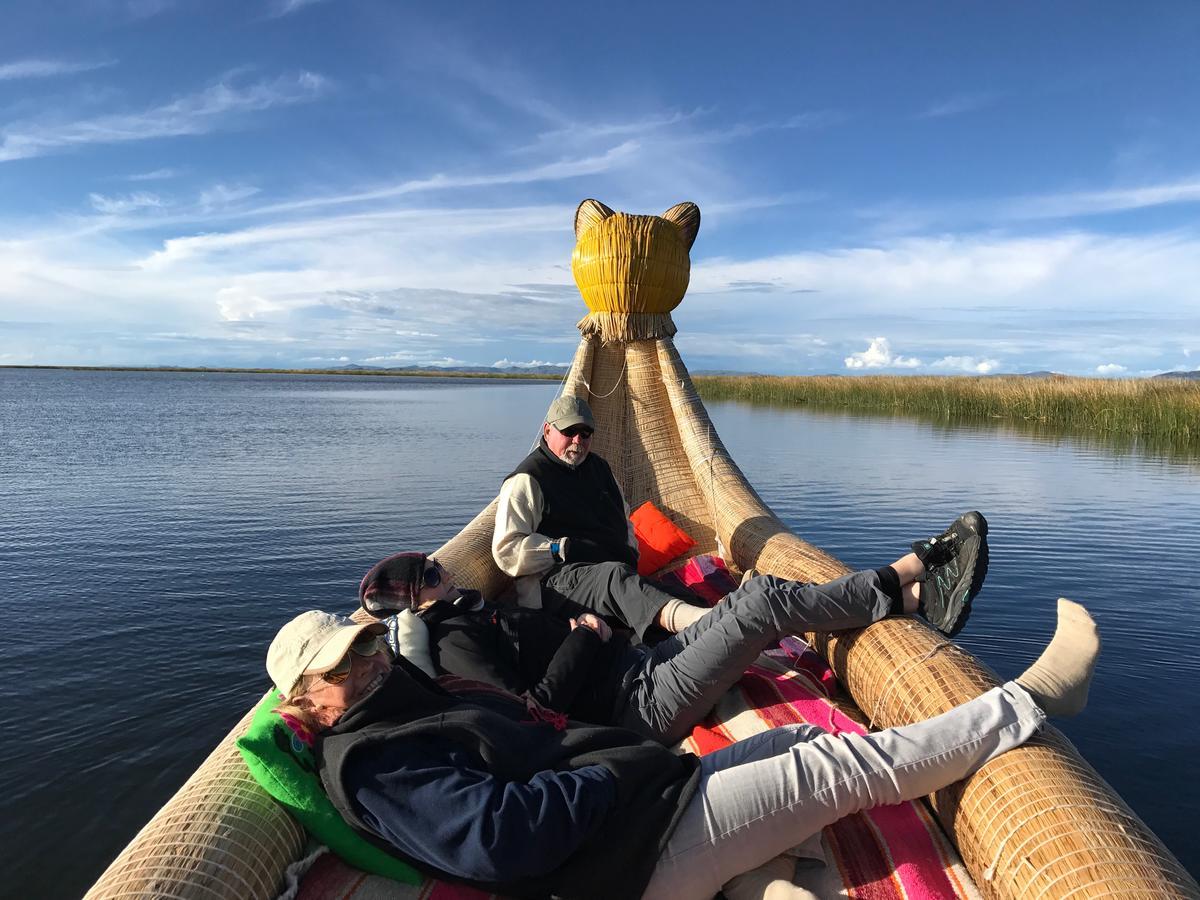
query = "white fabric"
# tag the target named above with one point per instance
(409, 637)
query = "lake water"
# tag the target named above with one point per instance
(156, 529)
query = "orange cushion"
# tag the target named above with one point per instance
(659, 539)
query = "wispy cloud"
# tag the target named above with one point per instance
(591, 131)
(280, 8)
(552, 171)
(805, 121)
(189, 115)
(48, 68)
(957, 105)
(1082, 203)
(128, 203)
(154, 175)
(892, 218)
(222, 196)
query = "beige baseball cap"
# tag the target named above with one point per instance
(566, 411)
(312, 643)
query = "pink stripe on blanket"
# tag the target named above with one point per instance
(444, 890)
(887, 851)
(785, 699)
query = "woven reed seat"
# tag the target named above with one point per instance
(1037, 822)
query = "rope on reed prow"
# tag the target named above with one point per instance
(632, 270)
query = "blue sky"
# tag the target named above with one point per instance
(918, 188)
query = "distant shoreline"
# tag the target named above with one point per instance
(407, 373)
(1156, 408)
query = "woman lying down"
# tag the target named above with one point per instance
(472, 784)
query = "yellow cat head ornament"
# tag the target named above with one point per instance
(632, 270)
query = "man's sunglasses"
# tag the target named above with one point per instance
(366, 644)
(581, 430)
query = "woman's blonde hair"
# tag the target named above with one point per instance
(297, 706)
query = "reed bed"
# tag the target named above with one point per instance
(1165, 409)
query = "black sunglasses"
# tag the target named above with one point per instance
(432, 576)
(581, 430)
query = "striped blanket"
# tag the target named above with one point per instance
(887, 853)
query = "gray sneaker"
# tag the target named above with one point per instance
(956, 563)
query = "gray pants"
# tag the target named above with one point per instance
(683, 677)
(611, 589)
(763, 795)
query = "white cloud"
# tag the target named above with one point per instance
(878, 356)
(411, 358)
(119, 205)
(972, 364)
(529, 364)
(971, 273)
(47, 68)
(1110, 369)
(239, 304)
(189, 115)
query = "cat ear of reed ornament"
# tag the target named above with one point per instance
(632, 270)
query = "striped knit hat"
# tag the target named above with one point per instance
(393, 584)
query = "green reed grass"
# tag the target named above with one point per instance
(1165, 409)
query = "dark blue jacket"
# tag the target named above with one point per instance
(470, 786)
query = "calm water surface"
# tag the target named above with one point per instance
(155, 530)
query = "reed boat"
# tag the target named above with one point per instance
(1037, 822)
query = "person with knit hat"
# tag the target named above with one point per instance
(579, 666)
(472, 784)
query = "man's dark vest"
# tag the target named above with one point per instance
(581, 503)
(654, 784)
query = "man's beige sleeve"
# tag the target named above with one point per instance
(516, 545)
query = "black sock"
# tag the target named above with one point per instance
(889, 583)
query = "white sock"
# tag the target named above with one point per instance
(677, 615)
(1060, 678)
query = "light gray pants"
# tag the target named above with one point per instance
(682, 678)
(763, 795)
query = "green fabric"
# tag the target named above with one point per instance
(284, 765)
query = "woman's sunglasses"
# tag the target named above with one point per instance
(432, 576)
(365, 644)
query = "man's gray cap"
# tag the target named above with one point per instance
(566, 411)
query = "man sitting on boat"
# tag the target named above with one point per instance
(563, 533)
(580, 668)
(468, 783)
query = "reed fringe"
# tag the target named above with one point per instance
(623, 327)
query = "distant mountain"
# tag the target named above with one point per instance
(1186, 376)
